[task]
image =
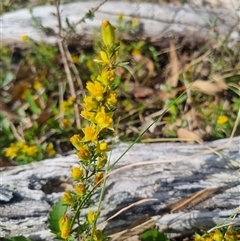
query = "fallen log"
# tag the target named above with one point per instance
(180, 187)
(156, 22)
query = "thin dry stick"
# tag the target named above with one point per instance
(70, 81)
(15, 132)
(93, 10)
(124, 235)
(128, 207)
(63, 47)
(78, 78)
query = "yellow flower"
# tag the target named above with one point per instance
(135, 22)
(12, 151)
(111, 75)
(136, 52)
(20, 144)
(101, 162)
(103, 146)
(120, 17)
(68, 198)
(71, 100)
(89, 64)
(24, 38)
(112, 98)
(104, 56)
(92, 215)
(75, 59)
(198, 237)
(67, 104)
(64, 105)
(103, 119)
(30, 150)
(96, 90)
(79, 189)
(90, 133)
(89, 103)
(65, 226)
(98, 236)
(76, 141)
(88, 115)
(231, 234)
(108, 35)
(5, 50)
(50, 150)
(83, 153)
(217, 235)
(103, 78)
(77, 172)
(98, 178)
(25, 93)
(208, 239)
(37, 85)
(66, 122)
(222, 119)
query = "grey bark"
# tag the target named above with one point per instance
(157, 22)
(163, 172)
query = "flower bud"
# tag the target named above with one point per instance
(79, 189)
(65, 226)
(103, 146)
(68, 198)
(108, 35)
(77, 173)
(76, 141)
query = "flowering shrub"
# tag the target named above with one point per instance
(98, 109)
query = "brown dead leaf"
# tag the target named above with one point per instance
(20, 87)
(174, 65)
(142, 92)
(150, 67)
(148, 122)
(43, 117)
(7, 162)
(164, 96)
(7, 112)
(186, 134)
(219, 80)
(207, 87)
(46, 112)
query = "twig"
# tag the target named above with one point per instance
(74, 69)
(64, 50)
(70, 81)
(15, 133)
(83, 18)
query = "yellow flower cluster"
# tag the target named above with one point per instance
(98, 109)
(21, 148)
(230, 235)
(66, 105)
(22, 152)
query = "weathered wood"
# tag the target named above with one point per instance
(157, 22)
(163, 172)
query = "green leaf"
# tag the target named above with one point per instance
(55, 214)
(7, 79)
(89, 15)
(32, 104)
(17, 238)
(123, 64)
(153, 235)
